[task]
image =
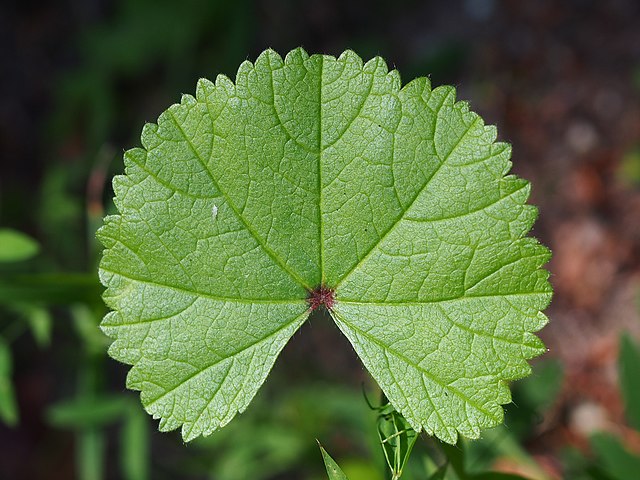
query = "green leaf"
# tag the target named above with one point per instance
(38, 319)
(87, 412)
(439, 474)
(614, 459)
(538, 391)
(40, 323)
(90, 459)
(323, 178)
(50, 288)
(333, 470)
(85, 322)
(8, 408)
(628, 365)
(134, 446)
(397, 438)
(16, 246)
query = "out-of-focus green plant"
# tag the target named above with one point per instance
(91, 107)
(473, 460)
(25, 300)
(16, 247)
(629, 168)
(261, 444)
(88, 415)
(611, 459)
(8, 409)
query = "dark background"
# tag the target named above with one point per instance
(78, 79)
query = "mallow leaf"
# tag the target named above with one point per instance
(321, 182)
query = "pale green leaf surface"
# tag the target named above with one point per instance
(315, 170)
(334, 471)
(16, 246)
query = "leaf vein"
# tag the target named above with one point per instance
(230, 356)
(441, 300)
(466, 213)
(394, 224)
(205, 294)
(419, 368)
(355, 117)
(270, 252)
(215, 392)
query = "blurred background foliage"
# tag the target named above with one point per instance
(80, 77)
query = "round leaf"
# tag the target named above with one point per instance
(314, 181)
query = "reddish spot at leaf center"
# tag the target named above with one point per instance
(321, 295)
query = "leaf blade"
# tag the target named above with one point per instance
(313, 171)
(628, 360)
(334, 472)
(15, 246)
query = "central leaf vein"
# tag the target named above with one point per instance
(320, 149)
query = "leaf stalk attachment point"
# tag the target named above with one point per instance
(321, 295)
